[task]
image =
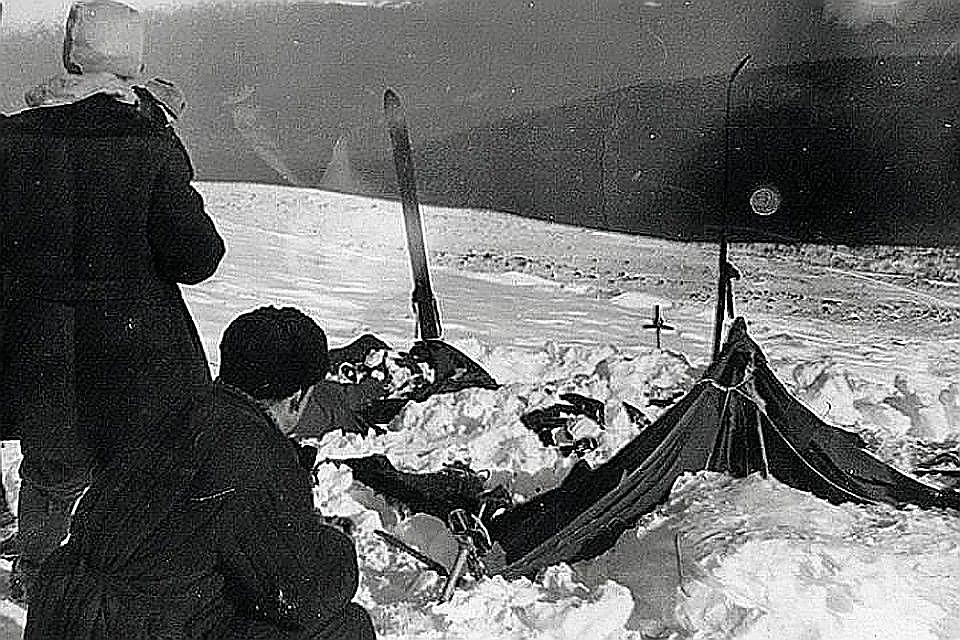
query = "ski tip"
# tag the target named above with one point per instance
(390, 99)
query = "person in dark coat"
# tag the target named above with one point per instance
(99, 224)
(210, 530)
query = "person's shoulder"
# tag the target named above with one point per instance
(27, 120)
(98, 116)
(224, 408)
(239, 444)
(234, 423)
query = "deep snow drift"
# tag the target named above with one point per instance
(723, 558)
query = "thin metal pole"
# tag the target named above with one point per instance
(459, 567)
(763, 443)
(722, 280)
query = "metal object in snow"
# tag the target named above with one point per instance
(658, 324)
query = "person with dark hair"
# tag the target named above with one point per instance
(99, 225)
(274, 354)
(210, 531)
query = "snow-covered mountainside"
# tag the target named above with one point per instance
(868, 339)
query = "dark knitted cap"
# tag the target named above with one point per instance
(272, 353)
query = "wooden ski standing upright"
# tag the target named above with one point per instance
(424, 302)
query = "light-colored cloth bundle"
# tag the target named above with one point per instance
(103, 53)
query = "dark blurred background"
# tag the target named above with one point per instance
(603, 113)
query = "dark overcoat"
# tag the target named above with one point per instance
(207, 529)
(98, 224)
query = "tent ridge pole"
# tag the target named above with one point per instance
(763, 443)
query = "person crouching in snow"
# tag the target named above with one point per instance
(100, 223)
(210, 531)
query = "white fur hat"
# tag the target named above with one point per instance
(104, 36)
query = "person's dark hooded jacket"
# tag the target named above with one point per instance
(209, 532)
(98, 224)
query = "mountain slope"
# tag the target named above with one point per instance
(547, 109)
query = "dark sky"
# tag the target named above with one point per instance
(17, 12)
(850, 11)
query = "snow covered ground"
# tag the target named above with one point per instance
(548, 309)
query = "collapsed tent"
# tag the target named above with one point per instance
(738, 419)
(429, 368)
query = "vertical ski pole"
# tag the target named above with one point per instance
(424, 302)
(723, 275)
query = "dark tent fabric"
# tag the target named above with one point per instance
(454, 487)
(738, 419)
(452, 371)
